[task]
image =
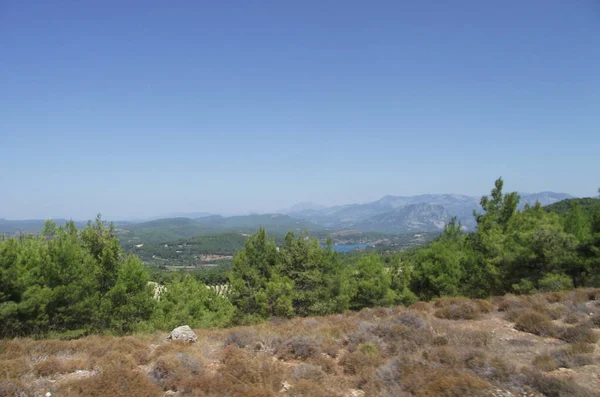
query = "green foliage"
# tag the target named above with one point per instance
(511, 250)
(298, 278)
(524, 287)
(555, 282)
(191, 302)
(372, 284)
(69, 280)
(589, 206)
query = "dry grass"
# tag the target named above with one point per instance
(517, 344)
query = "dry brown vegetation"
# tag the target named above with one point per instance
(540, 345)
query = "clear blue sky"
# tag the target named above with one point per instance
(140, 108)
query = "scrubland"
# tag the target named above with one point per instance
(538, 345)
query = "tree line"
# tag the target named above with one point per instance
(73, 282)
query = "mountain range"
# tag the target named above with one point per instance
(390, 214)
(400, 214)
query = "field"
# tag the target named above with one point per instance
(540, 345)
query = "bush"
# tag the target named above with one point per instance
(524, 287)
(454, 384)
(298, 347)
(554, 387)
(113, 380)
(578, 334)
(357, 362)
(307, 388)
(13, 369)
(581, 348)
(52, 366)
(510, 303)
(535, 323)
(253, 375)
(460, 311)
(572, 318)
(411, 319)
(555, 297)
(555, 282)
(240, 338)
(566, 358)
(545, 362)
(594, 321)
(308, 372)
(420, 306)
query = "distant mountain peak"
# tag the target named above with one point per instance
(302, 206)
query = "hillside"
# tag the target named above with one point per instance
(411, 218)
(174, 229)
(588, 205)
(541, 345)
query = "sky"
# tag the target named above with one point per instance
(135, 108)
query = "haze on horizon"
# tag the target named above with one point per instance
(141, 109)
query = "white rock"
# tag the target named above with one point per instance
(184, 333)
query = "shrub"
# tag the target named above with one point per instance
(578, 334)
(581, 348)
(13, 369)
(308, 372)
(420, 306)
(52, 366)
(412, 320)
(141, 356)
(253, 375)
(392, 333)
(568, 359)
(327, 364)
(535, 323)
(555, 297)
(369, 349)
(572, 318)
(389, 374)
(448, 301)
(555, 312)
(355, 363)
(521, 342)
(509, 302)
(13, 388)
(298, 347)
(485, 306)
(494, 368)
(240, 338)
(114, 380)
(524, 287)
(454, 384)
(551, 386)
(475, 338)
(594, 321)
(442, 355)
(545, 362)
(307, 388)
(555, 282)
(459, 311)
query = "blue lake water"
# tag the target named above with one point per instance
(349, 247)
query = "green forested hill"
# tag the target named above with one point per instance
(174, 229)
(588, 205)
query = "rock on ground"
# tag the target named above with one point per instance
(184, 333)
